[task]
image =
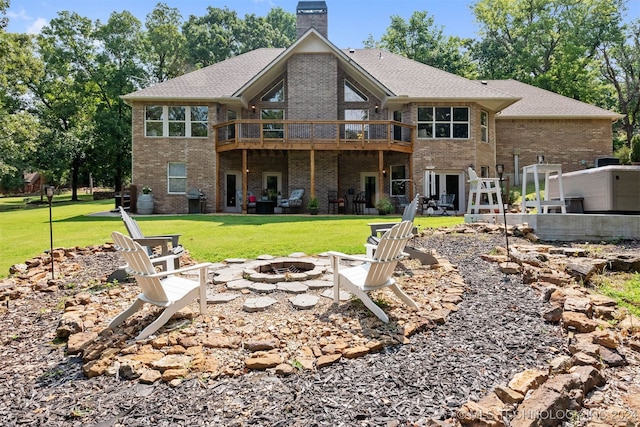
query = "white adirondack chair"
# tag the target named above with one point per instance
(163, 289)
(376, 272)
(409, 214)
(168, 243)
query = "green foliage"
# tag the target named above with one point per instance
(384, 206)
(420, 40)
(626, 293)
(314, 203)
(620, 67)
(634, 154)
(549, 44)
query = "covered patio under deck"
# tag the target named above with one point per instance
(312, 151)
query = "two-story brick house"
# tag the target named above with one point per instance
(319, 118)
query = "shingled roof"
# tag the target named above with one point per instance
(215, 82)
(539, 103)
(404, 77)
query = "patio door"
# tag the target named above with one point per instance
(437, 183)
(369, 184)
(233, 192)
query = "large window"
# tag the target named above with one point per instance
(484, 126)
(177, 177)
(353, 130)
(443, 122)
(275, 94)
(176, 121)
(352, 94)
(272, 130)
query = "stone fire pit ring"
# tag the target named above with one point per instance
(284, 270)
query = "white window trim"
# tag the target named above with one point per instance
(169, 177)
(485, 127)
(165, 122)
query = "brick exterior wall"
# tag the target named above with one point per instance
(567, 142)
(314, 90)
(150, 157)
(311, 87)
(319, 21)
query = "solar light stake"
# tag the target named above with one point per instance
(500, 170)
(50, 197)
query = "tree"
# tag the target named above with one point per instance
(213, 37)
(421, 41)
(66, 93)
(118, 64)
(550, 44)
(221, 34)
(164, 44)
(621, 67)
(4, 5)
(20, 129)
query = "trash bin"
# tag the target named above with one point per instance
(197, 201)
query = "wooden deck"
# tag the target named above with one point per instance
(371, 135)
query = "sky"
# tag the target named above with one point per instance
(350, 21)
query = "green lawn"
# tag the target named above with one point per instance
(24, 230)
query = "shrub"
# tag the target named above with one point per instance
(634, 156)
(384, 206)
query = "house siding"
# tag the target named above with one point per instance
(567, 141)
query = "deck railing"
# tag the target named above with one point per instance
(317, 135)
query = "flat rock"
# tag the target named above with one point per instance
(239, 284)
(264, 361)
(292, 287)
(221, 297)
(262, 287)
(319, 284)
(304, 301)
(258, 304)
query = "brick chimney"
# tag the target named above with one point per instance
(311, 14)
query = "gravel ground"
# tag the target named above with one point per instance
(497, 332)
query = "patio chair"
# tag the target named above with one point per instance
(251, 200)
(293, 202)
(446, 202)
(360, 202)
(411, 250)
(375, 272)
(334, 201)
(168, 243)
(163, 289)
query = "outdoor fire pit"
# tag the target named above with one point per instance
(284, 271)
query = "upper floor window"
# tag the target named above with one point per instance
(484, 126)
(352, 94)
(443, 122)
(275, 94)
(176, 121)
(177, 177)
